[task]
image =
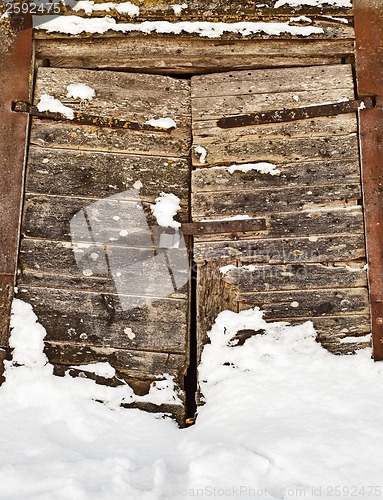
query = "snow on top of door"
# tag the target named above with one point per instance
(75, 25)
(88, 6)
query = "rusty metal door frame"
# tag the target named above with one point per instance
(368, 18)
(15, 83)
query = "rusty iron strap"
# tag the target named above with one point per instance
(15, 72)
(221, 227)
(294, 114)
(85, 119)
(368, 18)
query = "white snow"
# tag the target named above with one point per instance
(200, 150)
(178, 8)
(101, 369)
(49, 103)
(232, 217)
(162, 122)
(226, 269)
(80, 91)
(263, 168)
(165, 208)
(75, 25)
(352, 340)
(89, 6)
(283, 419)
(313, 3)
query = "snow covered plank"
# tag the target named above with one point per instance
(105, 268)
(307, 303)
(240, 177)
(164, 54)
(127, 222)
(277, 151)
(129, 365)
(331, 248)
(253, 202)
(300, 276)
(105, 174)
(109, 319)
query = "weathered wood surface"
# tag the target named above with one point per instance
(83, 173)
(213, 296)
(105, 268)
(110, 320)
(272, 82)
(300, 276)
(335, 248)
(127, 222)
(134, 364)
(262, 90)
(118, 95)
(254, 202)
(279, 150)
(311, 223)
(307, 303)
(6, 295)
(218, 179)
(187, 55)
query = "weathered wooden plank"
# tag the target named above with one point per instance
(256, 201)
(128, 96)
(284, 150)
(333, 248)
(187, 55)
(213, 296)
(134, 364)
(215, 107)
(6, 295)
(85, 320)
(69, 136)
(300, 276)
(111, 220)
(105, 174)
(312, 223)
(307, 303)
(275, 81)
(106, 268)
(302, 174)
(207, 131)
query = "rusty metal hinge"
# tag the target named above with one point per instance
(80, 118)
(294, 114)
(228, 226)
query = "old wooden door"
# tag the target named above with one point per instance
(98, 269)
(304, 178)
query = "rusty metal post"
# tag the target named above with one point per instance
(368, 17)
(15, 84)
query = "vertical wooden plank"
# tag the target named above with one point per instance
(15, 69)
(369, 70)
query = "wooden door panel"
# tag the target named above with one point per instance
(309, 262)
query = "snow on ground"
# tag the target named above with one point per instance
(283, 419)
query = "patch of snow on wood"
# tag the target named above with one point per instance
(313, 3)
(74, 25)
(100, 369)
(202, 152)
(88, 6)
(49, 103)
(165, 208)
(80, 91)
(178, 8)
(355, 340)
(162, 123)
(263, 168)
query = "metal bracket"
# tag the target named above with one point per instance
(80, 118)
(294, 114)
